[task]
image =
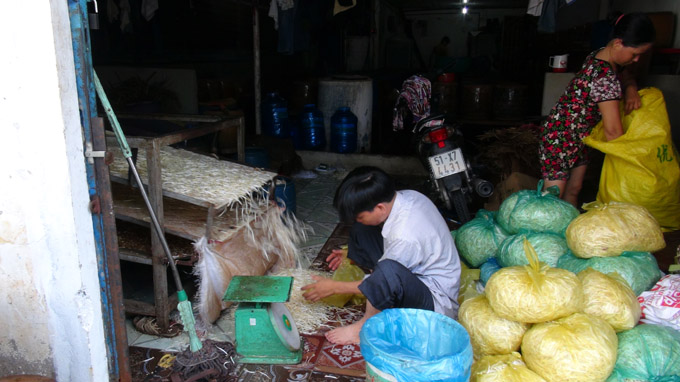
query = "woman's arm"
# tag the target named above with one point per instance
(631, 97)
(611, 119)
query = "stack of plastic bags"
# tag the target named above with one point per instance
(537, 310)
(615, 237)
(560, 302)
(494, 240)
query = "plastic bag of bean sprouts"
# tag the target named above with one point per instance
(536, 211)
(534, 293)
(489, 333)
(647, 353)
(576, 348)
(549, 248)
(478, 239)
(609, 229)
(503, 368)
(639, 269)
(609, 297)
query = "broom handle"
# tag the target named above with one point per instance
(128, 156)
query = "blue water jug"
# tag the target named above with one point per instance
(313, 130)
(296, 132)
(274, 114)
(344, 131)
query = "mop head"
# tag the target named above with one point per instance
(267, 240)
(215, 359)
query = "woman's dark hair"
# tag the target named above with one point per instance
(634, 29)
(361, 190)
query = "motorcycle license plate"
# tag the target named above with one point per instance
(447, 163)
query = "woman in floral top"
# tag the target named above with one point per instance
(592, 95)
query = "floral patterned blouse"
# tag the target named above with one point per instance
(574, 116)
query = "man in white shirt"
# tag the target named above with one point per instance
(403, 239)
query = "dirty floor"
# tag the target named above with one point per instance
(321, 361)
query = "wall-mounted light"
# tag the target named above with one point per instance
(465, 1)
(465, 10)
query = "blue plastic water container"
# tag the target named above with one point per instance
(313, 132)
(257, 157)
(344, 131)
(274, 112)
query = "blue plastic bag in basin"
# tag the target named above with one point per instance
(417, 345)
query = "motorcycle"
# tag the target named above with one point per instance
(440, 148)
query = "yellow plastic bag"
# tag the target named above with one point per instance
(606, 230)
(641, 166)
(503, 368)
(609, 297)
(468, 283)
(489, 334)
(346, 272)
(576, 348)
(534, 293)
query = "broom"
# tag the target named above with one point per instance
(209, 357)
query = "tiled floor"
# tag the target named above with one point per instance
(314, 199)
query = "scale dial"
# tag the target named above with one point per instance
(284, 326)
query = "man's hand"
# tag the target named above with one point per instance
(322, 287)
(631, 99)
(335, 258)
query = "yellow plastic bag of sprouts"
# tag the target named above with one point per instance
(606, 230)
(346, 272)
(503, 368)
(489, 334)
(468, 283)
(535, 292)
(576, 348)
(609, 297)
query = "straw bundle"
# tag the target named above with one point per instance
(511, 149)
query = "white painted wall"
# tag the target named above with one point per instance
(652, 6)
(50, 306)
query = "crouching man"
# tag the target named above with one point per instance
(403, 239)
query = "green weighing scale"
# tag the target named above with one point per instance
(264, 328)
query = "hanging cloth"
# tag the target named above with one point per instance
(341, 7)
(149, 8)
(415, 98)
(535, 7)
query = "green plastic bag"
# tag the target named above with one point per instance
(536, 211)
(648, 353)
(641, 166)
(549, 248)
(639, 269)
(478, 239)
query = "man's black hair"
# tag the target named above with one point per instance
(361, 190)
